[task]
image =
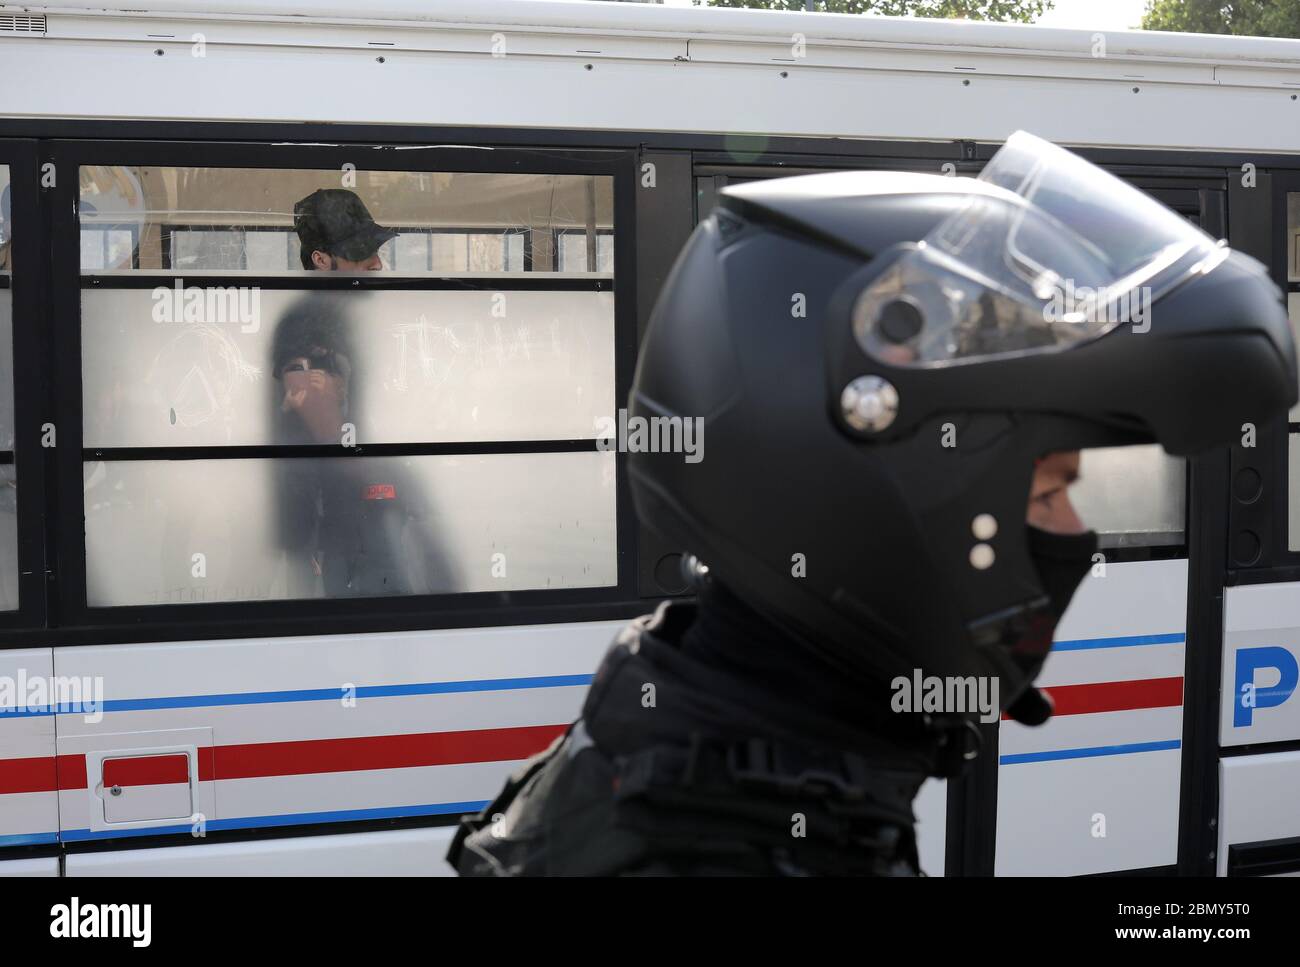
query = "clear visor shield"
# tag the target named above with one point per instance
(1063, 254)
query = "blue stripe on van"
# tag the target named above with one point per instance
(335, 694)
(288, 819)
(8, 711)
(28, 839)
(1122, 641)
(1090, 753)
(300, 695)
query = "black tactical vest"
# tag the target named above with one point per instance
(676, 768)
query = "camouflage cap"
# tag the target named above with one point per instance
(336, 221)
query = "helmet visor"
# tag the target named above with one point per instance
(1064, 253)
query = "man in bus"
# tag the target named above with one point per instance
(352, 526)
(884, 503)
(337, 234)
(314, 360)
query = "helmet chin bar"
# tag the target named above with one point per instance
(997, 636)
(1008, 626)
(969, 505)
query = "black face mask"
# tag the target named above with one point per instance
(1062, 561)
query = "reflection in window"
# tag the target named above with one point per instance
(6, 222)
(441, 251)
(6, 374)
(8, 538)
(1293, 313)
(8, 480)
(1293, 236)
(476, 252)
(1132, 496)
(107, 248)
(577, 254)
(230, 249)
(1293, 416)
(389, 526)
(1293, 492)
(242, 220)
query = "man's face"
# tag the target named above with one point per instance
(317, 392)
(325, 262)
(1050, 508)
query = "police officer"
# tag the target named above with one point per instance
(352, 527)
(896, 374)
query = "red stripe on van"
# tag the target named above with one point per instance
(37, 774)
(146, 770)
(1116, 696)
(262, 759)
(377, 752)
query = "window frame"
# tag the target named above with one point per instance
(1262, 519)
(312, 615)
(26, 285)
(1284, 429)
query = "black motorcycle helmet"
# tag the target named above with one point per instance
(879, 358)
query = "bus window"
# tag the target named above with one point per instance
(424, 423)
(242, 219)
(1293, 491)
(1132, 496)
(426, 366)
(257, 249)
(105, 247)
(1293, 417)
(1293, 236)
(8, 492)
(1293, 313)
(576, 248)
(425, 525)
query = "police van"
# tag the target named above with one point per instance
(188, 686)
